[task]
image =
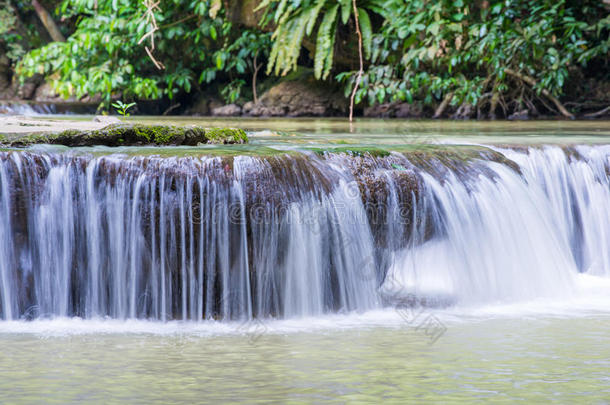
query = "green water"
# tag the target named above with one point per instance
(504, 360)
(299, 132)
(285, 135)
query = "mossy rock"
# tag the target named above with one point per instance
(135, 135)
(226, 135)
(353, 150)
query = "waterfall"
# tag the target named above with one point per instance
(296, 235)
(19, 108)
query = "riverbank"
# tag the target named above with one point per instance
(108, 131)
(300, 95)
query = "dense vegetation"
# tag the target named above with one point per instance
(476, 58)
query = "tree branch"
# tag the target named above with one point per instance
(48, 22)
(532, 82)
(361, 70)
(444, 104)
(256, 66)
(598, 113)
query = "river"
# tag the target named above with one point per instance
(486, 275)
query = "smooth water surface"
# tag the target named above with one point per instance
(536, 359)
(299, 132)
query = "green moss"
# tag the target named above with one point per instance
(135, 135)
(353, 150)
(226, 135)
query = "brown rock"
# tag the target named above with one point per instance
(229, 110)
(394, 110)
(520, 116)
(298, 98)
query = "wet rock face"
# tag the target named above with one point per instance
(216, 237)
(135, 135)
(520, 116)
(301, 98)
(229, 110)
(394, 110)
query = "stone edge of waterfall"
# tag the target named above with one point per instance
(122, 134)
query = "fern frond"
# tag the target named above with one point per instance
(294, 48)
(287, 42)
(280, 10)
(367, 31)
(325, 42)
(314, 15)
(378, 7)
(263, 4)
(275, 49)
(346, 10)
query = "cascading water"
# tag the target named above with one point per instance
(296, 234)
(16, 108)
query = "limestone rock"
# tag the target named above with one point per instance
(134, 135)
(299, 98)
(229, 110)
(394, 110)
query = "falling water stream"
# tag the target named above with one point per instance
(296, 235)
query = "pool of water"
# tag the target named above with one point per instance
(290, 133)
(504, 359)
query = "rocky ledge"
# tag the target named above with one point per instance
(131, 135)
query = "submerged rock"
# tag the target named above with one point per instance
(134, 135)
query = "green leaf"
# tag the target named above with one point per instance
(366, 30)
(346, 10)
(325, 44)
(313, 17)
(279, 13)
(434, 28)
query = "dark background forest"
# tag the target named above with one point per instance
(389, 58)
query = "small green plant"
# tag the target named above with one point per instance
(122, 108)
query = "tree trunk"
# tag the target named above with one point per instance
(256, 68)
(48, 22)
(444, 104)
(361, 70)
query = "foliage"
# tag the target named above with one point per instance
(487, 54)
(8, 32)
(236, 59)
(297, 19)
(104, 54)
(430, 49)
(122, 108)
